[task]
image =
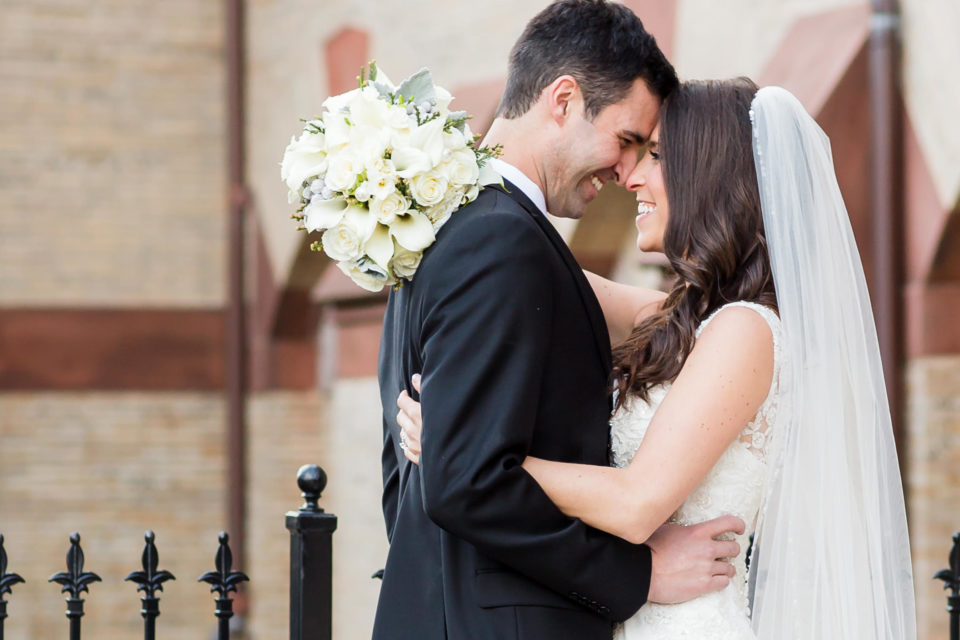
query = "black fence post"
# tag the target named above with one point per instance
(7, 580)
(75, 581)
(311, 560)
(150, 581)
(951, 581)
(223, 580)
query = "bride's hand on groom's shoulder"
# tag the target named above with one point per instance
(410, 422)
(689, 561)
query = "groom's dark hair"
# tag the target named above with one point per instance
(603, 45)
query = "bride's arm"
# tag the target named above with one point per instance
(624, 307)
(719, 390)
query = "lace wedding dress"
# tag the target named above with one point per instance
(734, 486)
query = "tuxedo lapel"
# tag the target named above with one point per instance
(590, 303)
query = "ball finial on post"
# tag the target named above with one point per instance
(312, 480)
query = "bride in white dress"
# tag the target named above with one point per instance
(754, 388)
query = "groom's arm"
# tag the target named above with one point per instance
(485, 336)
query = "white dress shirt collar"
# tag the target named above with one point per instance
(522, 182)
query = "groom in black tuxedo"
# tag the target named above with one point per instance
(515, 358)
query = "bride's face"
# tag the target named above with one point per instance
(653, 212)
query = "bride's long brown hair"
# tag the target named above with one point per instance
(714, 236)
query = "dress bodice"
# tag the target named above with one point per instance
(734, 486)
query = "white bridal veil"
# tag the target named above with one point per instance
(831, 559)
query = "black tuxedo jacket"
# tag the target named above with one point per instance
(515, 359)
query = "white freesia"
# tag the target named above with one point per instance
(428, 188)
(387, 209)
(382, 177)
(413, 230)
(366, 274)
(444, 98)
(303, 159)
(405, 262)
(323, 214)
(453, 140)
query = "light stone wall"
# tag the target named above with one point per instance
(110, 466)
(933, 480)
(111, 153)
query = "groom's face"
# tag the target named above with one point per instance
(594, 152)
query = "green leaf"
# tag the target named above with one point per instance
(418, 87)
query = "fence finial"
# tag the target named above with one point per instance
(312, 480)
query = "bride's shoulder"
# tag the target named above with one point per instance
(744, 315)
(744, 326)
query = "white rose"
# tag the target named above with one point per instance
(342, 170)
(405, 262)
(464, 168)
(345, 240)
(303, 159)
(367, 274)
(441, 212)
(387, 209)
(342, 243)
(428, 188)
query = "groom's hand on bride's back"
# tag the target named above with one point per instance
(689, 561)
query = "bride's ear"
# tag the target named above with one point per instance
(562, 97)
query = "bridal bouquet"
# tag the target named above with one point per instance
(381, 171)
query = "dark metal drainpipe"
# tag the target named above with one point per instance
(236, 360)
(887, 190)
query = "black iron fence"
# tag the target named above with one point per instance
(311, 574)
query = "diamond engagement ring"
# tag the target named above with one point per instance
(403, 440)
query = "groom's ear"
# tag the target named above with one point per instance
(562, 97)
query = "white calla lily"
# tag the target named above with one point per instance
(380, 246)
(428, 138)
(489, 175)
(413, 231)
(323, 214)
(410, 161)
(360, 220)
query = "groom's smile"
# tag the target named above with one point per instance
(601, 149)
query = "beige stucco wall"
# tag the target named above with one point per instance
(111, 153)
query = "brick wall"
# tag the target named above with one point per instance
(112, 152)
(111, 465)
(933, 481)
